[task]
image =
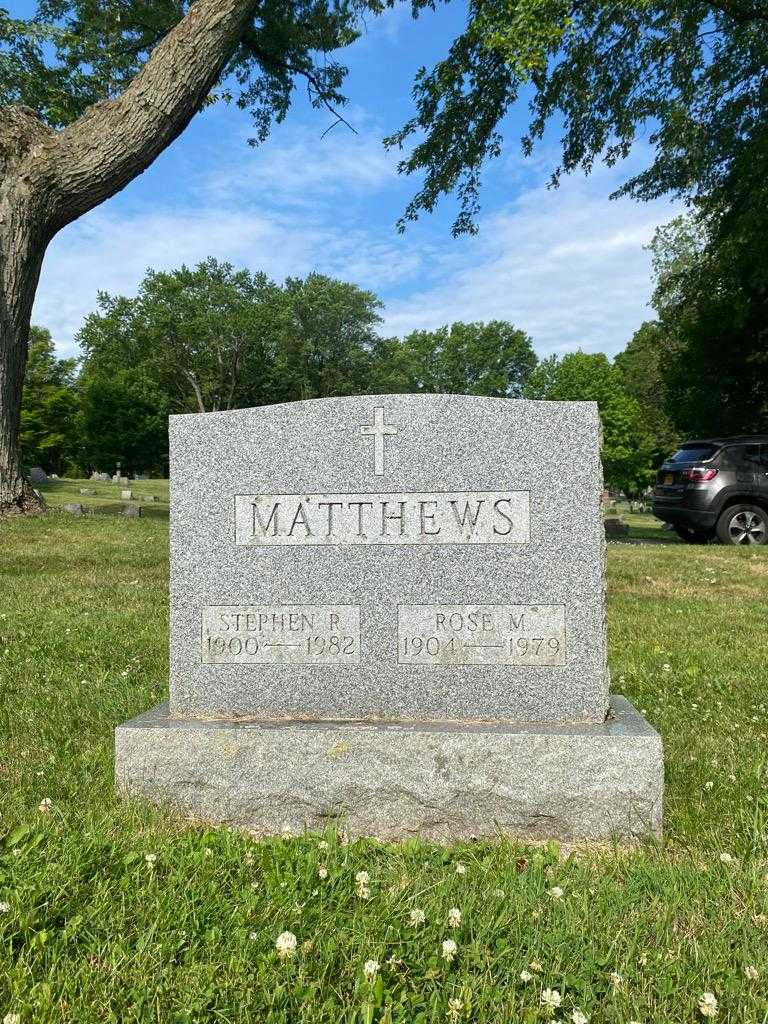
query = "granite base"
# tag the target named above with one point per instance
(440, 781)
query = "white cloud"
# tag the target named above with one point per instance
(567, 265)
(304, 165)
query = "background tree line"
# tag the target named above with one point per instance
(214, 337)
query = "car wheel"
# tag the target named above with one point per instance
(690, 536)
(743, 524)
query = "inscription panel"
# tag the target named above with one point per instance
(457, 517)
(486, 634)
(288, 634)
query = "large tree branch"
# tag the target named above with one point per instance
(116, 140)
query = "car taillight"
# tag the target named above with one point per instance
(697, 475)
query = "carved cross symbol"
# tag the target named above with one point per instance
(378, 430)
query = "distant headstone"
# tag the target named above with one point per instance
(126, 495)
(390, 612)
(87, 490)
(104, 478)
(141, 476)
(615, 529)
(74, 508)
(148, 497)
(131, 511)
(38, 475)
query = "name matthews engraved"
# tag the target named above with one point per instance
(456, 517)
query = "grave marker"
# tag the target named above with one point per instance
(416, 582)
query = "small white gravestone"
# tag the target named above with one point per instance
(390, 611)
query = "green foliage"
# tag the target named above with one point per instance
(198, 334)
(693, 72)
(643, 367)
(49, 435)
(627, 448)
(73, 53)
(323, 340)
(124, 417)
(217, 338)
(493, 359)
(712, 300)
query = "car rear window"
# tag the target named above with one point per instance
(694, 453)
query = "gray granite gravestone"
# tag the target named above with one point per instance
(389, 611)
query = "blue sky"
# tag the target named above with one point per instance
(568, 265)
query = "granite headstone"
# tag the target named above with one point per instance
(390, 611)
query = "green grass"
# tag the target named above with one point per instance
(96, 933)
(107, 500)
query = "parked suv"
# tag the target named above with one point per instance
(716, 487)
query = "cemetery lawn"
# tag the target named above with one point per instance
(111, 911)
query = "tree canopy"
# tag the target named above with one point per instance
(689, 74)
(49, 429)
(627, 443)
(712, 301)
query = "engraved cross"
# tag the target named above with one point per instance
(378, 430)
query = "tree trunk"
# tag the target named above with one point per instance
(22, 245)
(48, 179)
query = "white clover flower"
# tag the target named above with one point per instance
(208, 851)
(666, 667)
(362, 878)
(708, 1004)
(615, 979)
(536, 966)
(455, 1006)
(525, 975)
(551, 998)
(12, 1018)
(151, 859)
(323, 844)
(416, 917)
(449, 950)
(461, 869)
(454, 917)
(45, 805)
(726, 858)
(556, 892)
(5, 906)
(322, 871)
(499, 894)
(579, 1018)
(253, 935)
(643, 959)
(285, 944)
(751, 973)
(248, 858)
(709, 784)
(371, 969)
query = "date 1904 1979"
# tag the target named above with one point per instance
(481, 635)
